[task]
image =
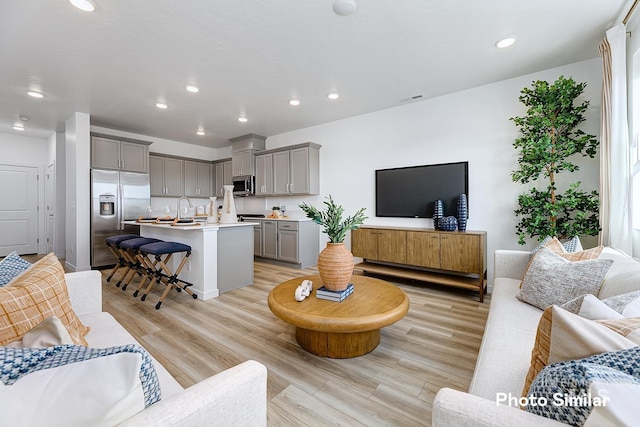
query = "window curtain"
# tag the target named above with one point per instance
(614, 144)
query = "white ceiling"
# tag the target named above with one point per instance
(250, 57)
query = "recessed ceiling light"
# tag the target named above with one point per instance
(505, 42)
(161, 105)
(333, 95)
(24, 118)
(294, 102)
(18, 126)
(243, 119)
(192, 88)
(86, 5)
(200, 132)
(344, 7)
(35, 94)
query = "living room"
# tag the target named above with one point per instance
(470, 124)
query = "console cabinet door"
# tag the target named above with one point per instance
(364, 243)
(392, 246)
(423, 249)
(459, 252)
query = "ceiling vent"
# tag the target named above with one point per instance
(412, 98)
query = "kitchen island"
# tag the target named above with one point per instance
(221, 254)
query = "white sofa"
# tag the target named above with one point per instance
(505, 352)
(235, 397)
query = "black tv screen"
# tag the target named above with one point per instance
(410, 192)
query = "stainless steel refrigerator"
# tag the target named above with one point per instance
(115, 197)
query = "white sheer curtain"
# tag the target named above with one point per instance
(614, 144)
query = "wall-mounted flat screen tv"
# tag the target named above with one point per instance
(410, 192)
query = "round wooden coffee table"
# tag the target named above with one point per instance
(340, 329)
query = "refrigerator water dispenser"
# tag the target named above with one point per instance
(107, 204)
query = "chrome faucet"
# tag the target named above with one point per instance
(180, 200)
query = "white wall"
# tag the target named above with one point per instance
(472, 125)
(56, 143)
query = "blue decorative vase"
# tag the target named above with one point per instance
(462, 212)
(448, 223)
(438, 212)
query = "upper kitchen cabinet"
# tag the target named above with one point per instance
(166, 176)
(297, 170)
(118, 154)
(242, 163)
(221, 175)
(243, 153)
(197, 179)
(264, 174)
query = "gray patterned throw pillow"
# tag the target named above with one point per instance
(551, 279)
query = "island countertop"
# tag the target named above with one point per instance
(200, 226)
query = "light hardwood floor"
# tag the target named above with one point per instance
(434, 346)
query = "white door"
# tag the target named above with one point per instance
(50, 202)
(18, 209)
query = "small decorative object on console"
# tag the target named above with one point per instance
(438, 212)
(448, 223)
(304, 290)
(462, 212)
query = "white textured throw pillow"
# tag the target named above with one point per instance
(551, 279)
(99, 392)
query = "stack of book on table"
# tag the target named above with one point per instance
(324, 293)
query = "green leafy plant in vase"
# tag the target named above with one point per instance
(335, 262)
(549, 138)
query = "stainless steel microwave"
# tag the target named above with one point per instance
(244, 185)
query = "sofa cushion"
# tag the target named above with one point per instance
(572, 255)
(573, 389)
(551, 279)
(49, 333)
(499, 367)
(107, 332)
(562, 335)
(74, 385)
(11, 266)
(623, 276)
(37, 294)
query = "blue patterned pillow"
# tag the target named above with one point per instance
(562, 390)
(11, 266)
(571, 245)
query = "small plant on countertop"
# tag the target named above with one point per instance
(331, 219)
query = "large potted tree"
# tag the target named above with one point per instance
(549, 137)
(335, 262)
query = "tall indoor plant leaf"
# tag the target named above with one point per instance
(549, 137)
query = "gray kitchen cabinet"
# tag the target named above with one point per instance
(292, 243)
(221, 175)
(110, 153)
(242, 163)
(288, 241)
(166, 176)
(264, 174)
(270, 239)
(297, 170)
(257, 239)
(197, 179)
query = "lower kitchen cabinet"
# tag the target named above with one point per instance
(293, 243)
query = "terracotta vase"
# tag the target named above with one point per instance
(335, 265)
